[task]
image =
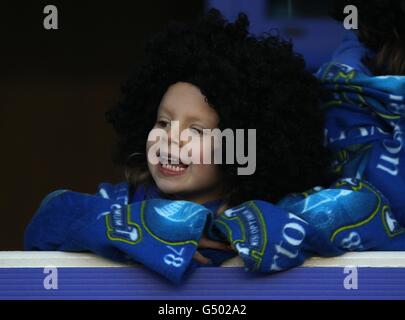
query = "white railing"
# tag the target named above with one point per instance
(33, 259)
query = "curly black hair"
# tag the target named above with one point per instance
(381, 27)
(252, 82)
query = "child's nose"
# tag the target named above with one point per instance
(174, 136)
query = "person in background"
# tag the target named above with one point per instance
(365, 103)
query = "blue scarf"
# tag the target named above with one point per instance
(163, 235)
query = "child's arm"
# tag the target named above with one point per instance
(161, 234)
(368, 150)
(351, 215)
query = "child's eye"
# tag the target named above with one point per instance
(162, 123)
(196, 130)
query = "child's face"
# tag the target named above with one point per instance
(184, 102)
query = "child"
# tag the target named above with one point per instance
(215, 75)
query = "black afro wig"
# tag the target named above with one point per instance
(252, 83)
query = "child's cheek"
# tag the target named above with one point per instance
(207, 150)
(151, 148)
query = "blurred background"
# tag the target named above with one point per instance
(55, 85)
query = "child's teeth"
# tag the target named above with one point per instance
(173, 167)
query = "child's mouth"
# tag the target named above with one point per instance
(169, 166)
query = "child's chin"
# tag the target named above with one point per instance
(170, 187)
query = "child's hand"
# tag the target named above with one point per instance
(208, 243)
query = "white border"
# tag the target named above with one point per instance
(38, 259)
